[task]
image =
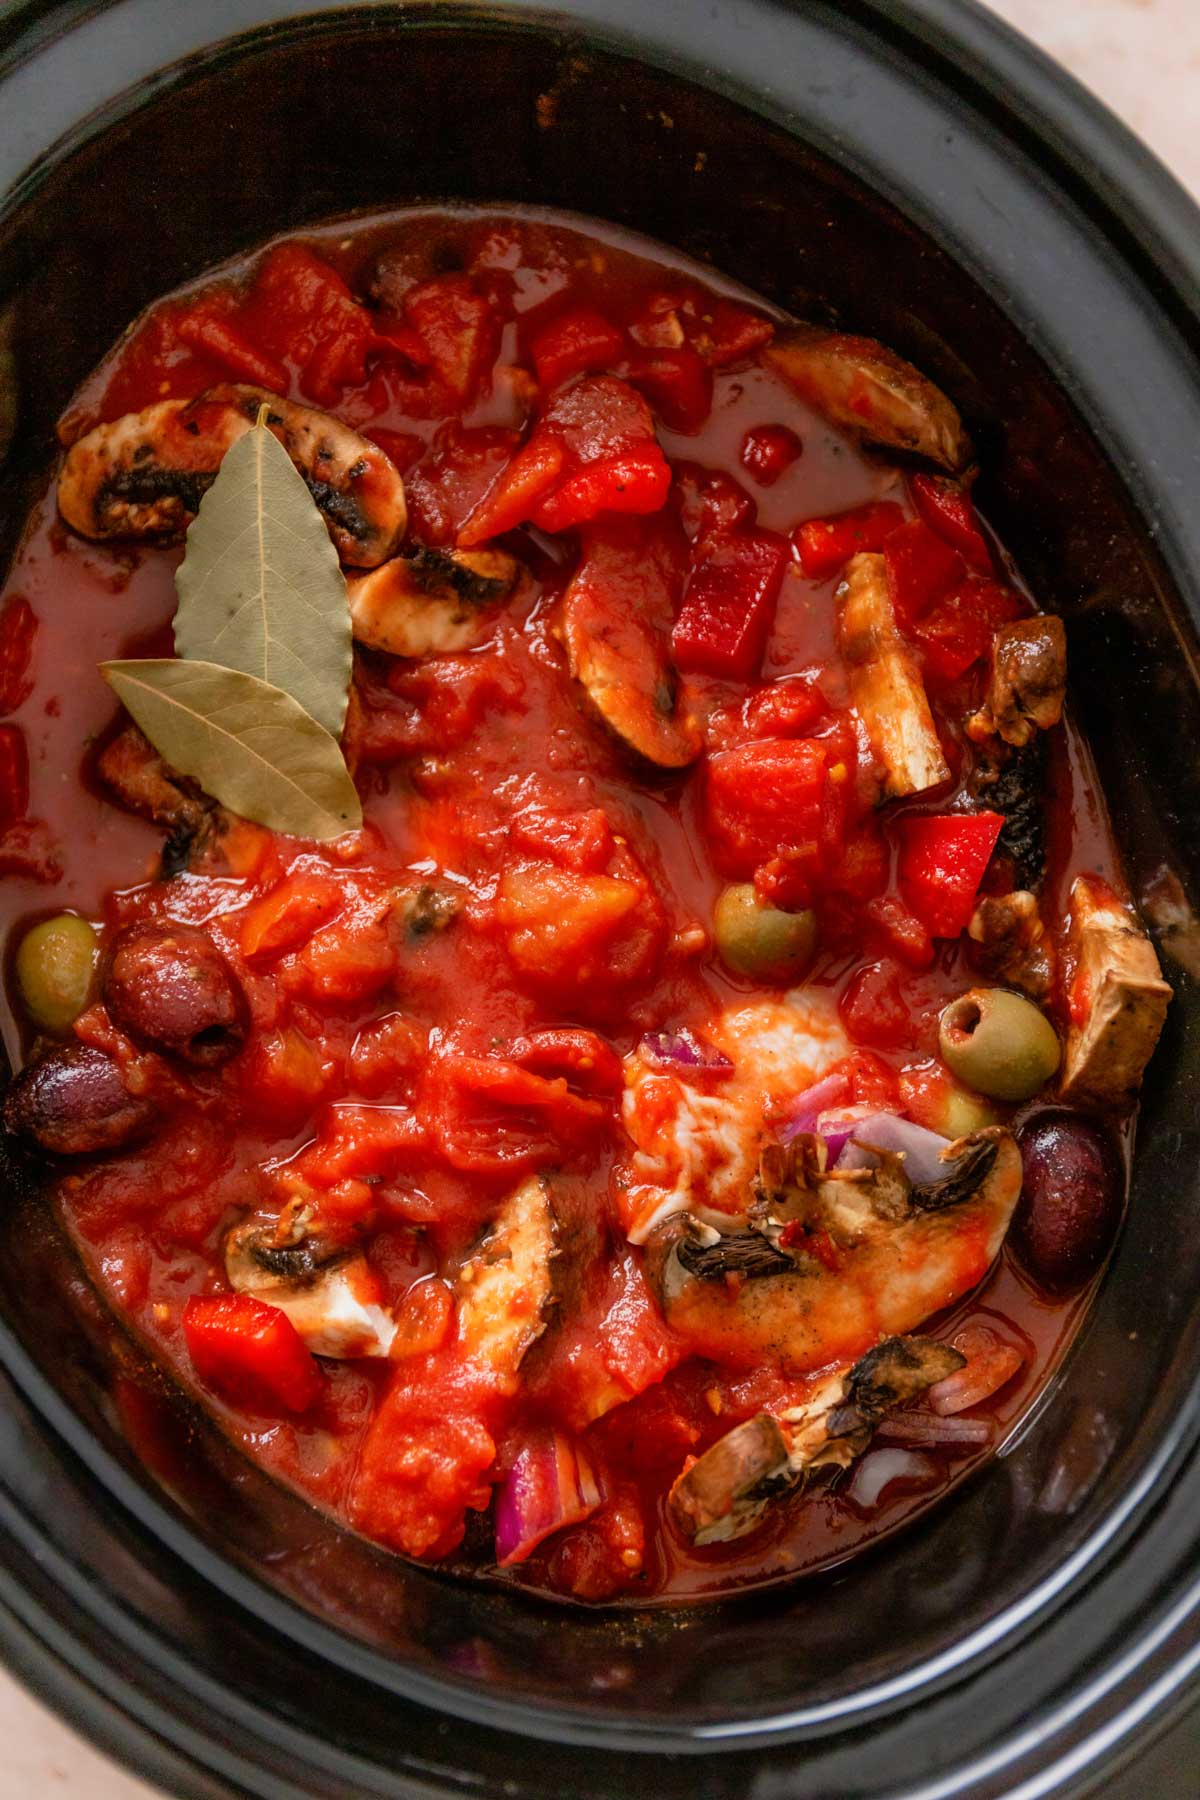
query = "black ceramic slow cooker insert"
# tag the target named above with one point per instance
(915, 172)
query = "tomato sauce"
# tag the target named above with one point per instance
(408, 1060)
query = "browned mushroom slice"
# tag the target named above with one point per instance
(727, 1491)
(902, 1252)
(1027, 681)
(433, 600)
(1013, 945)
(616, 622)
(133, 771)
(326, 1288)
(885, 682)
(1119, 998)
(145, 474)
(505, 1288)
(862, 386)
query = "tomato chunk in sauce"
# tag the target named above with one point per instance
(525, 1176)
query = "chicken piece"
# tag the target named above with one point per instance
(1026, 683)
(858, 384)
(1013, 945)
(433, 600)
(145, 474)
(885, 682)
(616, 622)
(899, 1251)
(1118, 998)
(727, 1491)
(506, 1288)
(326, 1288)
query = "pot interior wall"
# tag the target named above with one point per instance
(362, 113)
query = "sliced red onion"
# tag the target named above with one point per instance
(682, 1052)
(988, 1369)
(880, 1468)
(550, 1485)
(802, 1113)
(840, 1123)
(885, 1131)
(927, 1429)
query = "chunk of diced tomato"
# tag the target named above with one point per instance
(941, 864)
(250, 1352)
(458, 329)
(898, 932)
(678, 384)
(286, 917)
(14, 776)
(958, 629)
(768, 452)
(823, 546)
(489, 1116)
(300, 311)
(920, 569)
(727, 332)
(728, 605)
(576, 343)
(763, 798)
(947, 510)
(18, 629)
(630, 481)
(209, 330)
(873, 1009)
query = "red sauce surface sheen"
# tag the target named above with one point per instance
(488, 749)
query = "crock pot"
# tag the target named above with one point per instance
(913, 170)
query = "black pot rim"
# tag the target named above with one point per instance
(1153, 226)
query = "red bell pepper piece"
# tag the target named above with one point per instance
(678, 384)
(959, 628)
(576, 343)
(824, 545)
(14, 776)
(215, 335)
(709, 501)
(516, 491)
(948, 512)
(250, 1352)
(764, 798)
(769, 452)
(402, 448)
(920, 569)
(630, 481)
(941, 864)
(728, 605)
(18, 628)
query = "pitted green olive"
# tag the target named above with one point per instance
(762, 941)
(999, 1043)
(56, 966)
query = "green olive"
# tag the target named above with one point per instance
(56, 965)
(961, 1111)
(999, 1043)
(762, 941)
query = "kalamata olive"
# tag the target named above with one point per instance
(56, 966)
(1071, 1198)
(999, 1043)
(170, 987)
(762, 941)
(74, 1101)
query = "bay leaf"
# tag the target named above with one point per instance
(260, 587)
(247, 743)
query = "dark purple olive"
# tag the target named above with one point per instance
(74, 1101)
(1071, 1197)
(171, 988)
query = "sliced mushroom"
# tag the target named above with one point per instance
(863, 387)
(433, 600)
(727, 1491)
(327, 1289)
(1013, 945)
(900, 1252)
(616, 621)
(136, 775)
(74, 1101)
(885, 682)
(505, 1289)
(1027, 681)
(145, 474)
(1119, 997)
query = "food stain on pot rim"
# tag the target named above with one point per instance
(579, 1174)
